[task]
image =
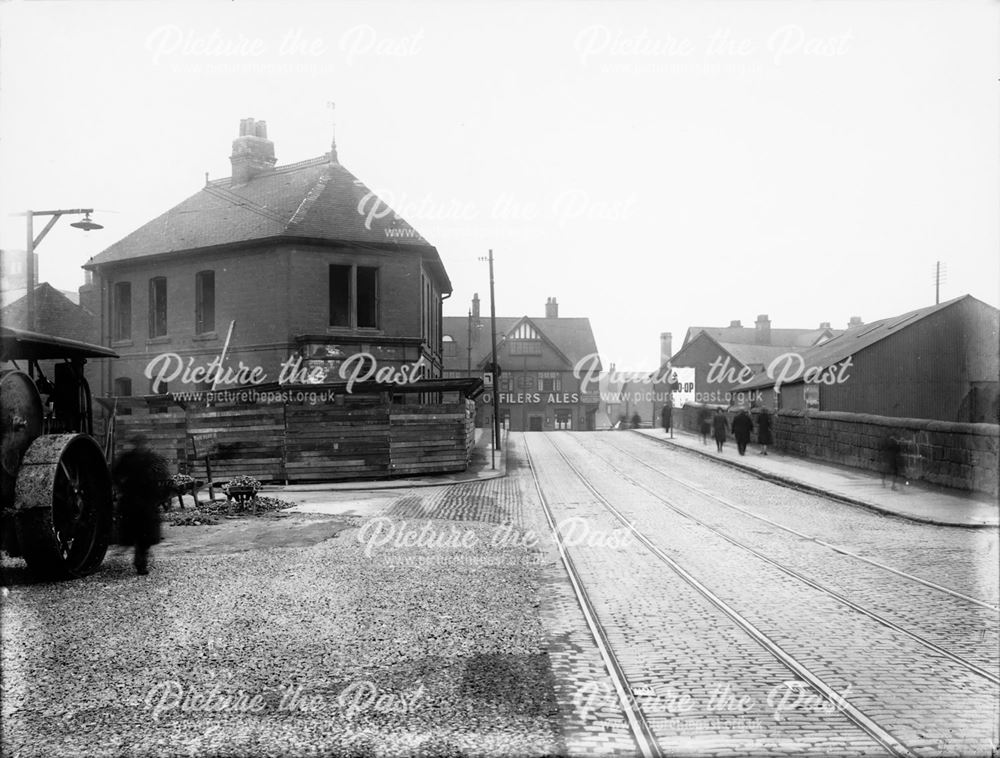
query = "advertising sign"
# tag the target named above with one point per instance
(684, 377)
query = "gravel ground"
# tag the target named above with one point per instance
(287, 636)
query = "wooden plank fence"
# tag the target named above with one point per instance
(363, 438)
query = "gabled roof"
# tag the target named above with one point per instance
(858, 338)
(745, 355)
(55, 315)
(315, 199)
(750, 355)
(572, 337)
(747, 335)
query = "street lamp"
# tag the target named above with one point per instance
(86, 224)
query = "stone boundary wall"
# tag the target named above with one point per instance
(949, 454)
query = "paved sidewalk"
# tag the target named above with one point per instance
(916, 501)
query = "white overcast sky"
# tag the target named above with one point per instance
(651, 165)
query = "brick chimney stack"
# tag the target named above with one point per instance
(855, 321)
(253, 152)
(763, 325)
(475, 306)
(824, 325)
(666, 347)
(737, 324)
(551, 308)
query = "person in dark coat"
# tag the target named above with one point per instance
(636, 420)
(704, 424)
(667, 417)
(891, 452)
(141, 478)
(721, 426)
(764, 430)
(742, 428)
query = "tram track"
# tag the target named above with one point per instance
(856, 715)
(771, 522)
(787, 570)
(642, 734)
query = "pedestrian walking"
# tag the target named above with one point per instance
(636, 420)
(764, 430)
(742, 428)
(140, 476)
(667, 417)
(704, 424)
(721, 426)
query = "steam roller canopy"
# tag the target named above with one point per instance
(20, 425)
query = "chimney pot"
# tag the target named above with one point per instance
(475, 305)
(763, 326)
(551, 308)
(666, 347)
(824, 325)
(253, 152)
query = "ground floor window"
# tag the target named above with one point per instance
(564, 419)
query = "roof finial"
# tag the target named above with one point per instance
(333, 128)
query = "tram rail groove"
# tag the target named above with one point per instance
(878, 733)
(835, 548)
(934, 647)
(642, 734)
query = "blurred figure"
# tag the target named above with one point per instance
(667, 417)
(764, 430)
(720, 424)
(140, 475)
(742, 428)
(704, 424)
(891, 449)
(636, 420)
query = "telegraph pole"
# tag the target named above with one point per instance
(496, 380)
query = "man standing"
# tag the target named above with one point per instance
(742, 427)
(667, 416)
(140, 476)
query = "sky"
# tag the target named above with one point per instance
(652, 166)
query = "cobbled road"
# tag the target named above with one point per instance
(704, 685)
(442, 621)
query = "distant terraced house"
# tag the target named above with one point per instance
(285, 254)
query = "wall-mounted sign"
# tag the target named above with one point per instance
(810, 394)
(531, 398)
(684, 377)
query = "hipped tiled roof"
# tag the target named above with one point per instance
(315, 199)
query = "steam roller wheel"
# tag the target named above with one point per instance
(63, 506)
(20, 425)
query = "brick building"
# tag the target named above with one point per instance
(540, 388)
(303, 261)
